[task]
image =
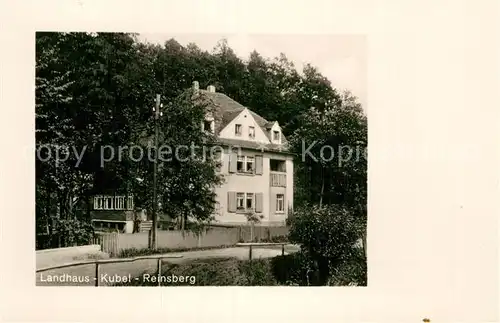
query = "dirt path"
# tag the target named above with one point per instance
(108, 273)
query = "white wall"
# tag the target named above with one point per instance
(246, 120)
(254, 184)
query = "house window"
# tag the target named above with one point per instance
(280, 203)
(250, 164)
(251, 132)
(237, 130)
(240, 164)
(119, 202)
(207, 126)
(98, 203)
(240, 201)
(108, 203)
(277, 165)
(276, 135)
(245, 164)
(113, 202)
(249, 201)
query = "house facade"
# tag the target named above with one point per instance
(255, 163)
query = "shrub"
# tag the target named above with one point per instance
(72, 232)
(326, 236)
(209, 272)
(257, 273)
(217, 272)
(350, 272)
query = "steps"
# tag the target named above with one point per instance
(145, 226)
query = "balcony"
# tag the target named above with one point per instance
(278, 179)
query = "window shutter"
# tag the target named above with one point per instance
(231, 201)
(259, 202)
(232, 162)
(273, 203)
(259, 164)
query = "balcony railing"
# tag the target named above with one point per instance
(278, 179)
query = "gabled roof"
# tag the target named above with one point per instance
(226, 109)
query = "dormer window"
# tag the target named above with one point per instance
(251, 132)
(208, 126)
(276, 136)
(237, 130)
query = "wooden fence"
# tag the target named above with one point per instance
(113, 243)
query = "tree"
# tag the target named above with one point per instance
(187, 166)
(327, 236)
(86, 97)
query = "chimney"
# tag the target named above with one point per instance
(196, 85)
(211, 88)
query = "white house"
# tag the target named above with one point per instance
(256, 164)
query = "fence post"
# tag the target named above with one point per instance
(283, 249)
(96, 274)
(159, 272)
(250, 252)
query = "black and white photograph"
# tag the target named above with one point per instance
(249, 161)
(200, 160)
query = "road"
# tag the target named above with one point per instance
(84, 275)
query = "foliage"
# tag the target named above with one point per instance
(294, 270)
(331, 146)
(257, 272)
(327, 235)
(98, 89)
(352, 272)
(217, 272)
(288, 270)
(298, 269)
(186, 178)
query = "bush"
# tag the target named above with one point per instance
(217, 272)
(209, 272)
(66, 233)
(257, 273)
(326, 236)
(294, 269)
(350, 272)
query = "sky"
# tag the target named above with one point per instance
(340, 58)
